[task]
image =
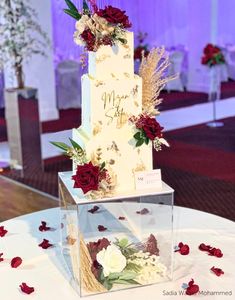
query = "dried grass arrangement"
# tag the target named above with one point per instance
(152, 70)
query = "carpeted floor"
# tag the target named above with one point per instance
(199, 165)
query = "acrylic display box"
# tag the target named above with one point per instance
(116, 243)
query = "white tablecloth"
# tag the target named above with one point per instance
(45, 270)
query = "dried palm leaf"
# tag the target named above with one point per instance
(152, 70)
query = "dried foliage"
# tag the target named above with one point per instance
(153, 70)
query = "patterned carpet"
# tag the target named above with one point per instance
(199, 165)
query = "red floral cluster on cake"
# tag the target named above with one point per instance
(96, 27)
(147, 129)
(212, 55)
(88, 177)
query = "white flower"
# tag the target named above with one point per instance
(77, 39)
(81, 25)
(111, 259)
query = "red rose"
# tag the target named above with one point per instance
(87, 177)
(89, 39)
(152, 128)
(183, 249)
(217, 271)
(192, 288)
(138, 52)
(114, 15)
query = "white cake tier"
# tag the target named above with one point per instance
(118, 149)
(112, 61)
(109, 103)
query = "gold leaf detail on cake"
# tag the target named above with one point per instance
(113, 75)
(114, 148)
(139, 168)
(112, 162)
(138, 151)
(127, 75)
(127, 56)
(97, 128)
(102, 58)
(99, 83)
(96, 156)
(152, 70)
(136, 103)
(91, 77)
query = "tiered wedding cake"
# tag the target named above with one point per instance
(111, 94)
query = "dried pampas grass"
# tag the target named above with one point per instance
(152, 70)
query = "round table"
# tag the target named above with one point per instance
(46, 272)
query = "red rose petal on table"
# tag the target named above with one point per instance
(192, 288)
(183, 249)
(121, 218)
(101, 228)
(217, 271)
(26, 289)
(215, 252)
(93, 209)
(45, 244)
(1, 259)
(44, 227)
(204, 247)
(16, 262)
(3, 231)
(143, 211)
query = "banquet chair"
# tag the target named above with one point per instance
(230, 59)
(176, 59)
(68, 84)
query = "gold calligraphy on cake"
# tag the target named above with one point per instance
(113, 106)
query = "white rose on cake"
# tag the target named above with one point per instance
(81, 25)
(111, 259)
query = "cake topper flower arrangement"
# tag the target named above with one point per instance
(96, 27)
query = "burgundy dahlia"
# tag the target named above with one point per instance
(114, 15)
(89, 39)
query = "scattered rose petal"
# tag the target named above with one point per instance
(93, 209)
(183, 249)
(71, 241)
(26, 289)
(204, 247)
(3, 231)
(121, 218)
(16, 262)
(217, 271)
(212, 251)
(44, 227)
(143, 211)
(1, 258)
(101, 228)
(192, 288)
(45, 244)
(215, 252)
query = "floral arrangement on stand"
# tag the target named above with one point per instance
(93, 176)
(121, 262)
(142, 47)
(212, 56)
(96, 27)
(21, 36)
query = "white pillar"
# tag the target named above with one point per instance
(39, 72)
